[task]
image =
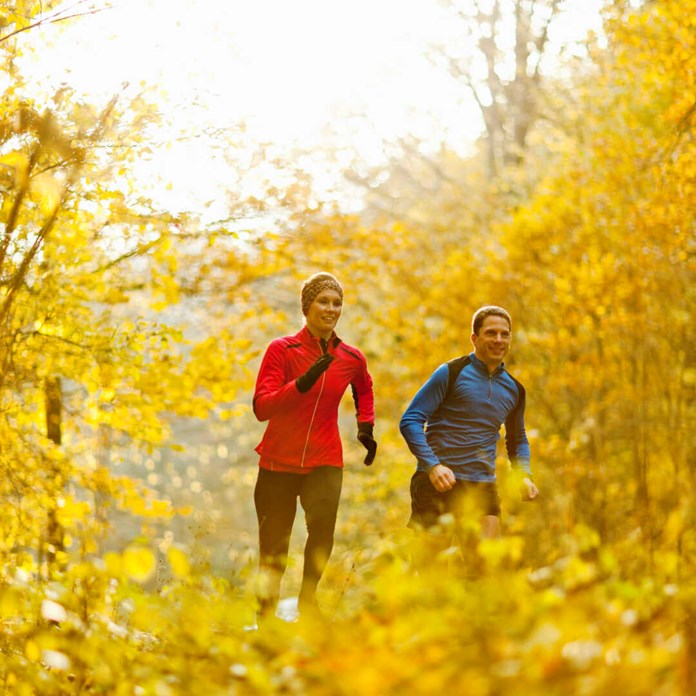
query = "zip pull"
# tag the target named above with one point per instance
(324, 346)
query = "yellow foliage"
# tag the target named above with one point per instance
(590, 589)
(179, 562)
(11, 602)
(32, 651)
(19, 162)
(114, 564)
(70, 511)
(139, 563)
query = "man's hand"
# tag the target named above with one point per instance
(529, 490)
(442, 478)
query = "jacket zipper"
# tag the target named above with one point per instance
(311, 422)
(314, 413)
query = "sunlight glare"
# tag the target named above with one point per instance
(298, 74)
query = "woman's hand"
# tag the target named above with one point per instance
(367, 441)
(306, 381)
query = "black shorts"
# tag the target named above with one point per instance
(466, 497)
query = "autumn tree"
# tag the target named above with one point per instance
(589, 266)
(77, 244)
(607, 304)
(504, 71)
(589, 591)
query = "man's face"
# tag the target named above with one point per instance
(492, 342)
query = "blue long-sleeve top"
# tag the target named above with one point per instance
(460, 430)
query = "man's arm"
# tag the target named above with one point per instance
(412, 425)
(518, 445)
(516, 436)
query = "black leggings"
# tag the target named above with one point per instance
(275, 497)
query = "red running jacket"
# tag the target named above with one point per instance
(303, 428)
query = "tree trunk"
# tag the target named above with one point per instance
(54, 406)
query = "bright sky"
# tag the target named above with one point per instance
(292, 69)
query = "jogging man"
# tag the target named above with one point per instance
(453, 424)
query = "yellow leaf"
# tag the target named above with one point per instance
(159, 508)
(139, 563)
(114, 563)
(49, 191)
(32, 651)
(178, 562)
(10, 603)
(19, 161)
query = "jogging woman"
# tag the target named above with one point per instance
(300, 384)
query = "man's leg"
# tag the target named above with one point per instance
(319, 496)
(427, 507)
(477, 510)
(275, 498)
(490, 526)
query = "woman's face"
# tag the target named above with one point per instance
(323, 313)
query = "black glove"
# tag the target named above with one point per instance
(367, 441)
(306, 381)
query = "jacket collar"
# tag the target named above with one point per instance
(305, 337)
(480, 365)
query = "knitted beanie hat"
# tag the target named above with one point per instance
(316, 284)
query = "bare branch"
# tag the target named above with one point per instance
(542, 38)
(58, 17)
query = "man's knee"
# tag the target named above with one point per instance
(490, 526)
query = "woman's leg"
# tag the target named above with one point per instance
(275, 498)
(319, 496)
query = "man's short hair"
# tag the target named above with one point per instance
(488, 311)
